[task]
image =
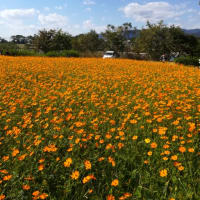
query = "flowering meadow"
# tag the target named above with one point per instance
(113, 129)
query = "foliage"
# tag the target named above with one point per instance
(155, 40)
(88, 42)
(64, 53)
(70, 53)
(158, 39)
(53, 54)
(52, 40)
(188, 61)
(114, 38)
(19, 52)
(73, 128)
(7, 46)
(20, 39)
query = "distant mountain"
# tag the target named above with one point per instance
(134, 34)
(195, 32)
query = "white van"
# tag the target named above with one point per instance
(109, 54)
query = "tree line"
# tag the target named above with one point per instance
(153, 39)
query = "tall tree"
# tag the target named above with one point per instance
(52, 40)
(155, 40)
(88, 42)
(114, 38)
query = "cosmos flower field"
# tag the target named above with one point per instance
(75, 129)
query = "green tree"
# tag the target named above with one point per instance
(114, 38)
(182, 43)
(88, 42)
(154, 40)
(52, 40)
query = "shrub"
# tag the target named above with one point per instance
(18, 52)
(64, 53)
(53, 54)
(187, 61)
(70, 53)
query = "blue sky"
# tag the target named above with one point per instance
(79, 16)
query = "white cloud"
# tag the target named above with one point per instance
(88, 9)
(53, 20)
(88, 2)
(58, 7)
(17, 13)
(89, 25)
(152, 11)
(17, 21)
(46, 8)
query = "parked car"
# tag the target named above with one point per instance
(110, 54)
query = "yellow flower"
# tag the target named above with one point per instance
(147, 140)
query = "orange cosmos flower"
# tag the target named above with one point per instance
(120, 145)
(5, 158)
(41, 167)
(146, 162)
(7, 178)
(87, 164)
(174, 157)
(22, 157)
(2, 197)
(75, 175)
(166, 146)
(182, 149)
(26, 187)
(68, 162)
(115, 182)
(165, 158)
(181, 168)
(134, 137)
(88, 178)
(112, 122)
(163, 173)
(110, 197)
(191, 150)
(15, 152)
(43, 196)
(176, 164)
(101, 159)
(36, 193)
(153, 145)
